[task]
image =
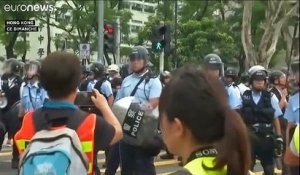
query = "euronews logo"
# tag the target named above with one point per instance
(29, 8)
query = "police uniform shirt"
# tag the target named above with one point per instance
(34, 99)
(234, 98)
(104, 89)
(144, 92)
(274, 102)
(292, 110)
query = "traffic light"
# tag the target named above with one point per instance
(109, 37)
(161, 38)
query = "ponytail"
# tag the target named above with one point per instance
(234, 148)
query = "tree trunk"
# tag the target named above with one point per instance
(48, 35)
(25, 49)
(10, 47)
(251, 55)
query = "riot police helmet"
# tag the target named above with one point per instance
(231, 72)
(139, 52)
(245, 77)
(12, 66)
(258, 72)
(98, 69)
(214, 62)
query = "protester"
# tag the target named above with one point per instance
(60, 76)
(212, 140)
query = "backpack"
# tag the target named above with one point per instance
(54, 151)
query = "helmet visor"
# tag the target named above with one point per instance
(135, 56)
(32, 70)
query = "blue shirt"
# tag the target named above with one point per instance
(234, 98)
(292, 110)
(145, 91)
(274, 102)
(34, 99)
(104, 89)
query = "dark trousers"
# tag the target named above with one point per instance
(135, 161)
(12, 124)
(113, 160)
(262, 148)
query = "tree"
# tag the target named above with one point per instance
(276, 14)
(22, 46)
(198, 38)
(81, 26)
(9, 39)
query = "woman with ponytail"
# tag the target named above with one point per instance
(198, 124)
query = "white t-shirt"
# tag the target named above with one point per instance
(242, 88)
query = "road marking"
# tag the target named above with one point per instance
(156, 164)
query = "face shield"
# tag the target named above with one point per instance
(7, 67)
(31, 70)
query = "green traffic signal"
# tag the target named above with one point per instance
(158, 46)
(160, 38)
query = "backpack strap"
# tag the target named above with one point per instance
(69, 117)
(141, 80)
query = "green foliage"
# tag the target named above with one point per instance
(198, 38)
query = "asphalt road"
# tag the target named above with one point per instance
(163, 167)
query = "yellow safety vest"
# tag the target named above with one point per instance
(195, 167)
(296, 139)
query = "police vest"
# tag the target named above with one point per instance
(296, 139)
(98, 86)
(260, 113)
(202, 162)
(85, 132)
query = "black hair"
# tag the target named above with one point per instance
(208, 116)
(60, 74)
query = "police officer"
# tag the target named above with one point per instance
(230, 76)
(33, 94)
(260, 111)
(85, 78)
(208, 137)
(100, 82)
(136, 160)
(244, 83)
(214, 65)
(10, 88)
(292, 110)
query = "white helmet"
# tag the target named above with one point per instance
(256, 68)
(113, 67)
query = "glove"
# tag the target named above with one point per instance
(278, 146)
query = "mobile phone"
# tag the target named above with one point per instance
(84, 99)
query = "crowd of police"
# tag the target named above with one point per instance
(199, 118)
